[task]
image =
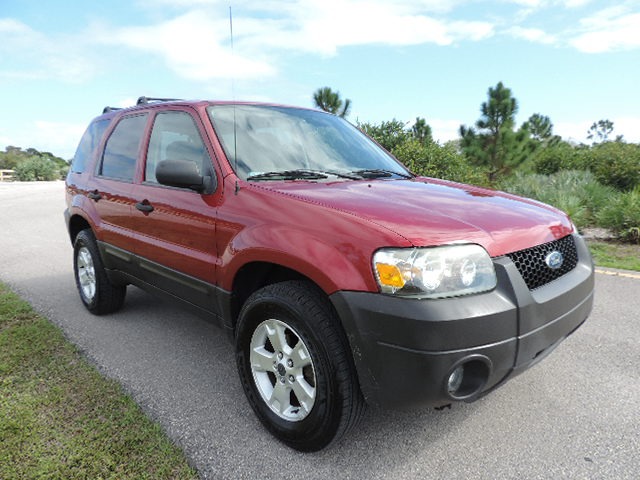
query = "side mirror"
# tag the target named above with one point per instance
(182, 173)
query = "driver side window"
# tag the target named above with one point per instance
(175, 137)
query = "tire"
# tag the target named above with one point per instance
(98, 294)
(295, 366)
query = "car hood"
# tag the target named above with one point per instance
(430, 212)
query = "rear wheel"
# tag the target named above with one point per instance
(98, 294)
(295, 366)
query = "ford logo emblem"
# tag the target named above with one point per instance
(554, 260)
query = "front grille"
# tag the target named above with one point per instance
(533, 268)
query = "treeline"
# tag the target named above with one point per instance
(32, 165)
(597, 184)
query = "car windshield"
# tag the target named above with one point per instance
(276, 143)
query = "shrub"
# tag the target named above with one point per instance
(389, 134)
(434, 160)
(616, 164)
(553, 158)
(37, 168)
(622, 215)
(577, 193)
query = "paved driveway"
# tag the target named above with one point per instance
(576, 415)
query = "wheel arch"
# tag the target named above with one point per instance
(77, 223)
(255, 275)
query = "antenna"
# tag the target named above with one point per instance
(233, 97)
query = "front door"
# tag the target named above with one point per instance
(175, 227)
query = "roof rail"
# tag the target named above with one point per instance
(145, 100)
(108, 109)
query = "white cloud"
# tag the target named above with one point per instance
(59, 138)
(32, 55)
(535, 35)
(627, 126)
(575, 3)
(609, 30)
(445, 130)
(125, 102)
(324, 27)
(12, 26)
(193, 46)
(575, 132)
(196, 44)
(528, 3)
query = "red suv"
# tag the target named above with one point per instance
(341, 278)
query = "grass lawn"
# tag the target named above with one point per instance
(60, 419)
(616, 255)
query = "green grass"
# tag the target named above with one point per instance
(60, 419)
(616, 255)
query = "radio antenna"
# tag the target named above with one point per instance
(233, 97)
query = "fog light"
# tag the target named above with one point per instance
(455, 380)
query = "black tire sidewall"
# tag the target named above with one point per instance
(319, 427)
(86, 239)
(109, 297)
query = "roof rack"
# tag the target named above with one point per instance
(142, 101)
(145, 100)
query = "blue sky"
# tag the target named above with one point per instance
(61, 62)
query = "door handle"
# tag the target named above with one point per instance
(144, 206)
(95, 195)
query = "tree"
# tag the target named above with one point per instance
(493, 142)
(600, 131)
(540, 127)
(440, 161)
(389, 134)
(421, 131)
(330, 101)
(37, 168)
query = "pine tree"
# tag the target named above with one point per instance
(493, 142)
(330, 101)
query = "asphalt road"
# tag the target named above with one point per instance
(576, 415)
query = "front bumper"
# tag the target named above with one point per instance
(405, 349)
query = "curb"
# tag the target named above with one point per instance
(614, 272)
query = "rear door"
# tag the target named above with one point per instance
(113, 184)
(175, 227)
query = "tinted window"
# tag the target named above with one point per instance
(175, 137)
(88, 144)
(121, 150)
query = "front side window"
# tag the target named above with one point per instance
(121, 150)
(89, 142)
(175, 137)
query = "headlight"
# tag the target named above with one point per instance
(436, 272)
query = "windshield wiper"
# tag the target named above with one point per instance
(289, 175)
(380, 173)
(350, 176)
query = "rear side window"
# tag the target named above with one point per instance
(88, 144)
(121, 150)
(175, 137)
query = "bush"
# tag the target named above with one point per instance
(616, 164)
(577, 193)
(434, 160)
(37, 168)
(551, 159)
(622, 215)
(389, 134)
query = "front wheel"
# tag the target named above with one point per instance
(295, 366)
(97, 293)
